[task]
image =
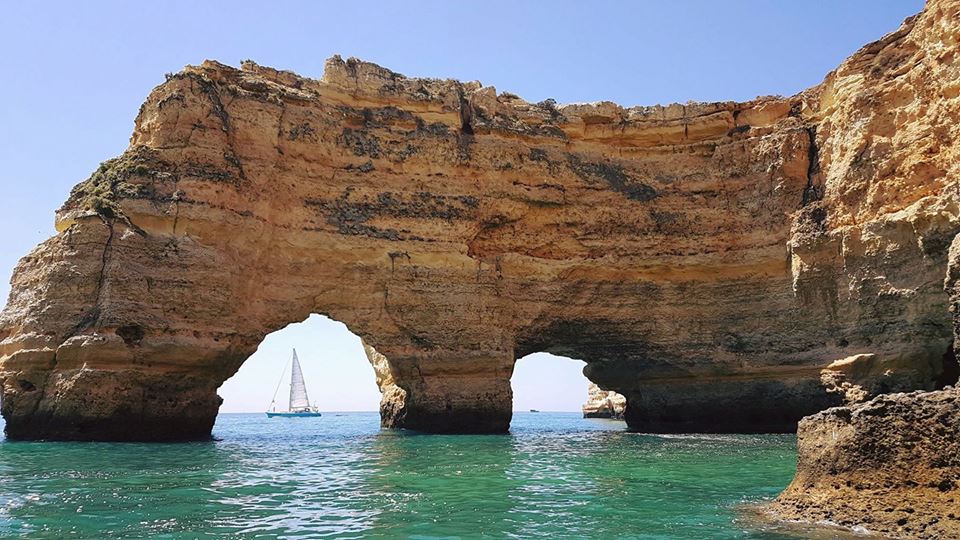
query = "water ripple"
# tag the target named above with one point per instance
(554, 476)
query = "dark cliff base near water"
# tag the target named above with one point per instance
(717, 406)
(58, 428)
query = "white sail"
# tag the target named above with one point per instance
(298, 390)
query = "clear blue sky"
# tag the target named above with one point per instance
(74, 74)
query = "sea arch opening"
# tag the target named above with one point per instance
(336, 370)
(545, 382)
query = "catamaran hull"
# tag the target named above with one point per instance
(292, 414)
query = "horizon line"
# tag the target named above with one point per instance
(262, 412)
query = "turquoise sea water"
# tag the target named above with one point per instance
(555, 475)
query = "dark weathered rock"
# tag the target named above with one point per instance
(889, 466)
(952, 287)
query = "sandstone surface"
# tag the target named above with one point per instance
(708, 261)
(890, 466)
(603, 403)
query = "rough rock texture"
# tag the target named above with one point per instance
(862, 376)
(706, 260)
(603, 403)
(393, 397)
(889, 466)
(892, 465)
(952, 286)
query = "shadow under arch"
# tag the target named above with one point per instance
(674, 388)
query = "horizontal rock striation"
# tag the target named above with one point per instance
(708, 261)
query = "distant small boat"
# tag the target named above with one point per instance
(299, 402)
(534, 410)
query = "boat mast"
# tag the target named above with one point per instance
(273, 402)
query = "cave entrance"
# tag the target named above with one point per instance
(547, 382)
(337, 374)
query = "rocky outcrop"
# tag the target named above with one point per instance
(889, 466)
(862, 376)
(393, 397)
(708, 261)
(603, 403)
(892, 465)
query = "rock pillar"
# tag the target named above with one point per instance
(450, 392)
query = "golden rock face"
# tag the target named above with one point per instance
(706, 260)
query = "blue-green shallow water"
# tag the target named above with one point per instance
(555, 476)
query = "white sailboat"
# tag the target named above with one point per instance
(299, 402)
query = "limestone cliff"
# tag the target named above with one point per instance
(603, 403)
(708, 261)
(889, 466)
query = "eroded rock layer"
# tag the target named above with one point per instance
(708, 261)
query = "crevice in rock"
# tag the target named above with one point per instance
(207, 86)
(812, 192)
(176, 215)
(220, 111)
(465, 135)
(394, 255)
(466, 114)
(951, 369)
(104, 260)
(131, 334)
(43, 389)
(686, 125)
(93, 314)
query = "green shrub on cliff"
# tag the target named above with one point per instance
(114, 179)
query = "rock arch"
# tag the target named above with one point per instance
(707, 260)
